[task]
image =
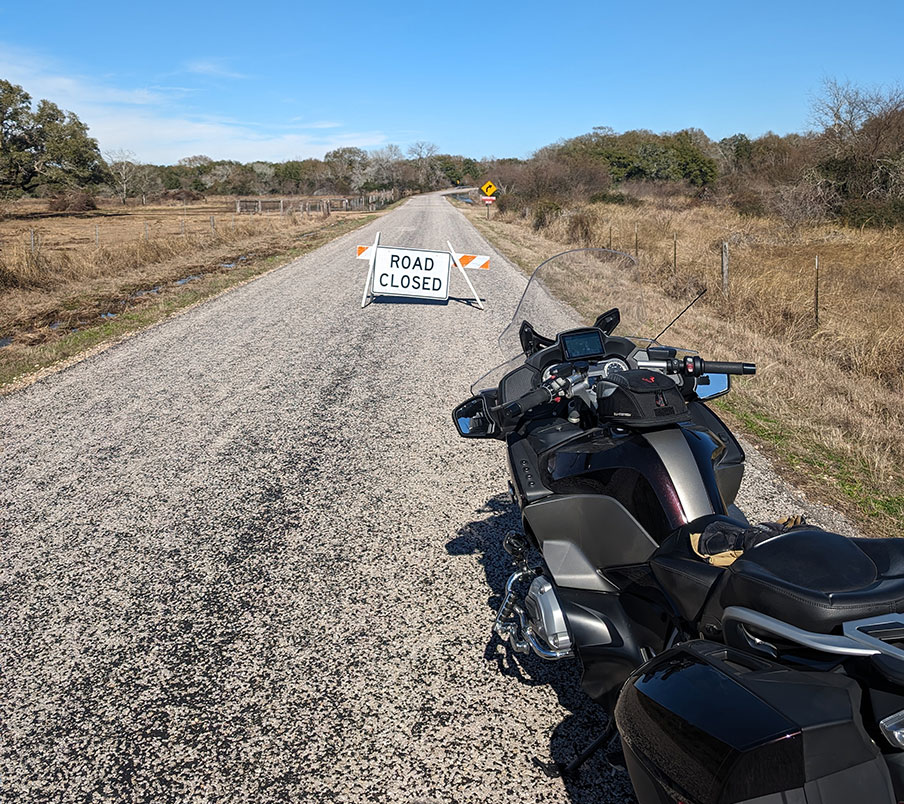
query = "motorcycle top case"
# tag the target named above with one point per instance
(705, 724)
(643, 399)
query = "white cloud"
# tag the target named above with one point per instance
(165, 140)
(298, 122)
(149, 122)
(212, 67)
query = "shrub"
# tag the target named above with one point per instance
(545, 211)
(804, 202)
(874, 213)
(72, 201)
(748, 202)
(507, 202)
(579, 228)
(181, 195)
(614, 197)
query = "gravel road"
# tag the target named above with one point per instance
(245, 557)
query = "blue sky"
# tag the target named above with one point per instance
(281, 80)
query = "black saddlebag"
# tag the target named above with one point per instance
(704, 724)
(643, 399)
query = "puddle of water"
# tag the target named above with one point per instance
(56, 325)
(227, 265)
(5, 342)
(108, 316)
(187, 279)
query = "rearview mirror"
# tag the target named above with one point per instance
(472, 418)
(709, 386)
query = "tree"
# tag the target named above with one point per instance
(693, 164)
(123, 170)
(384, 169)
(736, 152)
(426, 167)
(344, 166)
(148, 182)
(45, 146)
(862, 138)
(195, 161)
(15, 136)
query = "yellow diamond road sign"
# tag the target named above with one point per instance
(489, 188)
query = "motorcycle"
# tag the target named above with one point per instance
(736, 663)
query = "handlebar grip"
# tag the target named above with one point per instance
(716, 367)
(530, 400)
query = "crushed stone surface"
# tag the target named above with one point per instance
(245, 557)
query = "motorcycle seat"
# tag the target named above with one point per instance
(814, 579)
(685, 577)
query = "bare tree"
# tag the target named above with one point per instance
(867, 122)
(423, 155)
(195, 161)
(124, 171)
(383, 168)
(147, 181)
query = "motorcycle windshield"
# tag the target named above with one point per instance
(570, 290)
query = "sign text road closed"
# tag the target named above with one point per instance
(412, 272)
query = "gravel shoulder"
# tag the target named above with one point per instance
(246, 558)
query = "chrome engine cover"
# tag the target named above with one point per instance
(546, 617)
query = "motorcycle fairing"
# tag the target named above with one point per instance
(667, 476)
(613, 633)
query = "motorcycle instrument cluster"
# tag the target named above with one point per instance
(583, 344)
(607, 368)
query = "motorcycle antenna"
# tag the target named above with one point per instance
(699, 296)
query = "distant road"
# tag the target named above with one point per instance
(245, 557)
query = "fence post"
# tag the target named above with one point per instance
(725, 282)
(675, 252)
(237, 203)
(635, 240)
(610, 235)
(816, 295)
(182, 226)
(280, 206)
(146, 237)
(213, 225)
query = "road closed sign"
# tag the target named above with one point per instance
(411, 272)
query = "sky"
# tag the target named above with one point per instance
(288, 80)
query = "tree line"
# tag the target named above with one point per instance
(47, 152)
(850, 166)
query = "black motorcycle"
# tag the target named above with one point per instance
(737, 663)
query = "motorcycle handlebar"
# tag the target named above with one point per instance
(716, 367)
(693, 366)
(531, 399)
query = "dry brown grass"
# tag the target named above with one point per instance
(65, 294)
(826, 399)
(67, 277)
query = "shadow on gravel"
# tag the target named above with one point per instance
(468, 302)
(596, 781)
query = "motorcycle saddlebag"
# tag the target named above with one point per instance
(643, 399)
(705, 724)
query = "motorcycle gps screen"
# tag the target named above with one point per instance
(588, 343)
